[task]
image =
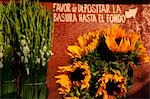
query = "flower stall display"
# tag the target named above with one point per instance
(29, 28)
(100, 65)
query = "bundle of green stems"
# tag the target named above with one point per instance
(26, 31)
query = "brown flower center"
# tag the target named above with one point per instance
(118, 40)
(77, 75)
(112, 87)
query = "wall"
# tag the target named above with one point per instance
(65, 33)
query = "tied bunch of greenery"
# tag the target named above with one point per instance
(7, 75)
(100, 64)
(26, 31)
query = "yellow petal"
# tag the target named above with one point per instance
(105, 95)
(75, 51)
(81, 41)
(124, 45)
(99, 91)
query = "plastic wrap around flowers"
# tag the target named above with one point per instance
(101, 64)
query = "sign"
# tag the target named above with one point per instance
(101, 13)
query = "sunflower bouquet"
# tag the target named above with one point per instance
(100, 65)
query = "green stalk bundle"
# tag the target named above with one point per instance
(26, 31)
(7, 75)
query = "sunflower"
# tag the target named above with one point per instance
(112, 85)
(74, 75)
(118, 40)
(142, 53)
(85, 44)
